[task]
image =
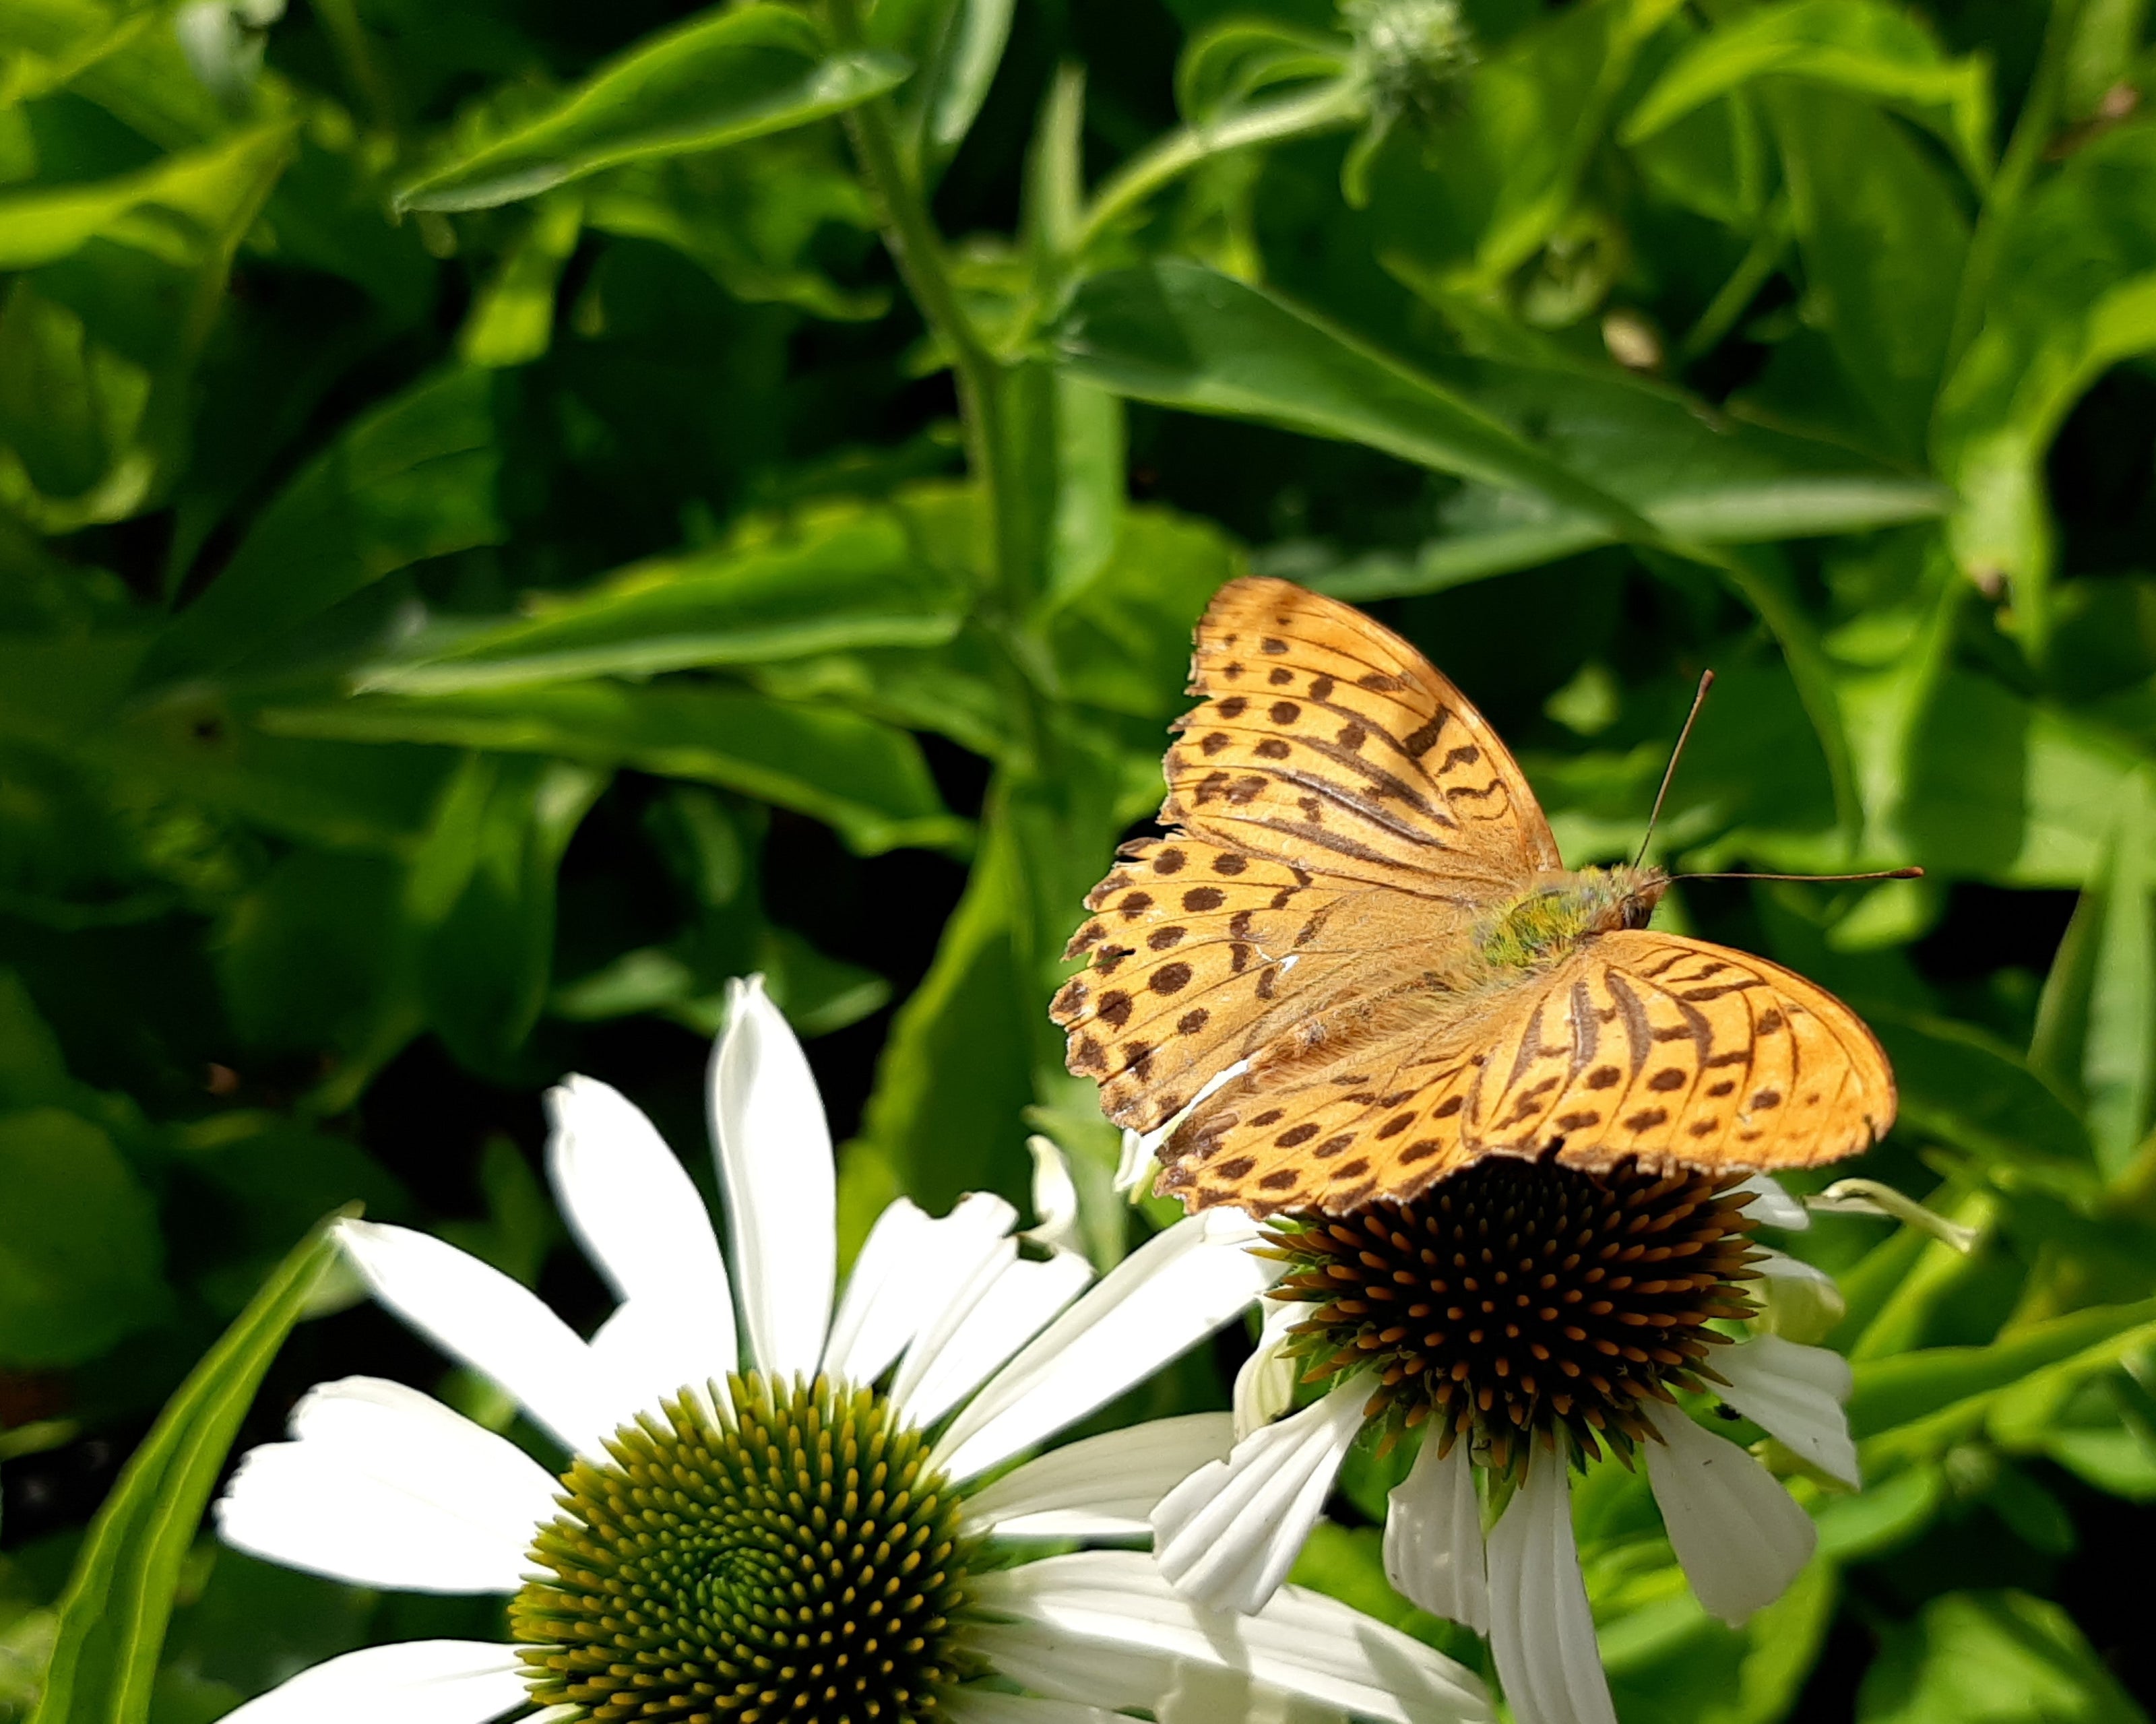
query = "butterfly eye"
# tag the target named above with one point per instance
(1638, 911)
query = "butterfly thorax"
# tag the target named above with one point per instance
(1561, 908)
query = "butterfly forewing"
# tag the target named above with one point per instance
(1330, 743)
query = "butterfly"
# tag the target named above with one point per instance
(1356, 963)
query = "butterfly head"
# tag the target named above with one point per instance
(1563, 908)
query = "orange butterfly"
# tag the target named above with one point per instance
(1358, 952)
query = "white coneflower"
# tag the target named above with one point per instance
(1519, 1319)
(796, 1519)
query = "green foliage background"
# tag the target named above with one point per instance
(491, 546)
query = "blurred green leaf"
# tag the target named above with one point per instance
(833, 578)
(1859, 46)
(1965, 1088)
(865, 779)
(954, 47)
(1882, 237)
(120, 1598)
(174, 210)
(715, 80)
(1188, 338)
(413, 479)
(956, 1073)
(2095, 1024)
(1914, 1402)
(1991, 1657)
(511, 322)
(483, 890)
(2073, 291)
(1120, 641)
(80, 1250)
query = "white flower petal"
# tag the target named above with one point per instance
(1541, 1631)
(1434, 1537)
(1771, 1206)
(1798, 1302)
(1015, 1307)
(1227, 1536)
(1104, 1627)
(1055, 1199)
(384, 1486)
(414, 1682)
(1795, 1394)
(1134, 1162)
(641, 1221)
(1099, 1487)
(1739, 1536)
(986, 1705)
(1162, 1300)
(476, 1313)
(1264, 1385)
(774, 1150)
(911, 1272)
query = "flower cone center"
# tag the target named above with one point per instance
(1519, 1299)
(771, 1552)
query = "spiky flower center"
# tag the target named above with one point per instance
(770, 1551)
(1520, 1299)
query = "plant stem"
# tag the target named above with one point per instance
(910, 236)
(1343, 102)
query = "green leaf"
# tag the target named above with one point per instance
(1187, 337)
(1967, 1089)
(46, 43)
(716, 80)
(483, 889)
(1858, 46)
(1882, 238)
(828, 579)
(412, 478)
(1991, 1657)
(315, 957)
(955, 1076)
(2095, 1024)
(113, 1616)
(955, 47)
(1916, 1402)
(178, 210)
(865, 779)
(1121, 642)
(511, 321)
(80, 1250)
(1698, 475)
(2001, 788)
(2073, 292)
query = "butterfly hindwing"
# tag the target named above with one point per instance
(1652, 1046)
(1326, 741)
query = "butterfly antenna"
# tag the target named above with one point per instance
(1670, 772)
(1882, 873)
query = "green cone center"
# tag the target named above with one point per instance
(1518, 1300)
(768, 1552)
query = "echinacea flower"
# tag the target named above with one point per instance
(811, 1515)
(1519, 1320)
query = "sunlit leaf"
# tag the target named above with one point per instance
(118, 1599)
(1991, 1657)
(828, 580)
(1856, 45)
(717, 79)
(865, 778)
